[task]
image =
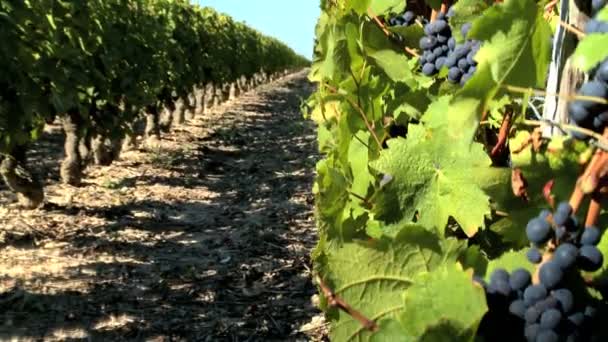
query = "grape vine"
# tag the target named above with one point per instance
(445, 211)
(103, 66)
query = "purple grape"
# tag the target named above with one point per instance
(596, 89)
(428, 69)
(546, 304)
(547, 336)
(465, 28)
(577, 318)
(532, 315)
(538, 230)
(531, 331)
(409, 16)
(591, 236)
(428, 42)
(565, 299)
(550, 274)
(590, 258)
(518, 308)
(602, 72)
(565, 255)
(462, 64)
(454, 74)
(520, 279)
(439, 62)
(534, 256)
(534, 293)
(550, 319)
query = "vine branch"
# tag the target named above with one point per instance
(566, 97)
(336, 302)
(388, 33)
(360, 110)
(503, 134)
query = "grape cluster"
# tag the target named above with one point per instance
(435, 44)
(590, 114)
(405, 19)
(460, 61)
(545, 311)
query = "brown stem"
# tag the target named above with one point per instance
(549, 7)
(434, 14)
(591, 178)
(336, 302)
(595, 207)
(503, 134)
(380, 24)
(359, 197)
(523, 145)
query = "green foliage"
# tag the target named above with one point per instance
(97, 57)
(587, 56)
(409, 200)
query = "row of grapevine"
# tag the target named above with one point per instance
(102, 66)
(444, 213)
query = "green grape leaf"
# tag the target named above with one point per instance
(358, 157)
(443, 305)
(475, 259)
(465, 12)
(587, 55)
(410, 35)
(359, 6)
(602, 15)
(515, 51)
(382, 7)
(394, 64)
(510, 261)
(372, 277)
(436, 175)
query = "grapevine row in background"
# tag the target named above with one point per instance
(101, 66)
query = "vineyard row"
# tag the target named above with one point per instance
(103, 67)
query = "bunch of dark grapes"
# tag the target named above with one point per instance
(460, 61)
(586, 113)
(434, 44)
(405, 19)
(545, 311)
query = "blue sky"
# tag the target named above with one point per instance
(291, 21)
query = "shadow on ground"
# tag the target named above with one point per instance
(214, 245)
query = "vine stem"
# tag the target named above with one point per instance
(359, 197)
(570, 28)
(380, 24)
(335, 301)
(595, 207)
(503, 134)
(566, 97)
(354, 105)
(603, 140)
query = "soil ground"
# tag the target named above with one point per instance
(205, 238)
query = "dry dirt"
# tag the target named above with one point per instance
(205, 238)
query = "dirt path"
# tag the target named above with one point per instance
(205, 239)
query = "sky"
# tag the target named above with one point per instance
(291, 21)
